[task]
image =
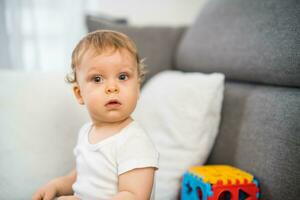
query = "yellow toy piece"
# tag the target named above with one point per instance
(214, 173)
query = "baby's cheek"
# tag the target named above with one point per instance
(133, 101)
(92, 101)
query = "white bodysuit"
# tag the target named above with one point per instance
(99, 165)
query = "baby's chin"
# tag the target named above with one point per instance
(115, 118)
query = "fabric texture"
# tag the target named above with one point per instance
(156, 44)
(260, 133)
(253, 41)
(181, 113)
(39, 119)
(99, 165)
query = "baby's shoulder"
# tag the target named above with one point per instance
(85, 128)
(136, 136)
(136, 132)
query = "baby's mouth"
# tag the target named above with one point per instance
(113, 103)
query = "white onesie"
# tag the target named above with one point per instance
(99, 165)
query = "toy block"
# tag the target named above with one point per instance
(218, 182)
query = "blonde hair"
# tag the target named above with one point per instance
(101, 41)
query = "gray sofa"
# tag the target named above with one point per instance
(256, 45)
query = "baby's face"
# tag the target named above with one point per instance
(108, 84)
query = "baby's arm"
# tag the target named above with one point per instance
(57, 187)
(136, 184)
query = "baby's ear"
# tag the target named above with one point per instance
(77, 93)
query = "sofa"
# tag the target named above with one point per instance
(254, 43)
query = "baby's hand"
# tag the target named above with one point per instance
(68, 198)
(47, 192)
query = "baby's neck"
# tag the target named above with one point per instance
(101, 131)
(112, 125)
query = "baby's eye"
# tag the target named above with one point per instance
(97, 79)
(123, 77)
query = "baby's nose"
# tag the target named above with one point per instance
(112, 89)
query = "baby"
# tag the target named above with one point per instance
(115, 159)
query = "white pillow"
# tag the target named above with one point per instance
(181, 113)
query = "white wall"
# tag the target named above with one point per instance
(149, 12)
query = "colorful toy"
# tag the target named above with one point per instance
(218, 182)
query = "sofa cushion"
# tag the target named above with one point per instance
(156, 44)
(260, 133)
(92, 20)
(255, 41)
